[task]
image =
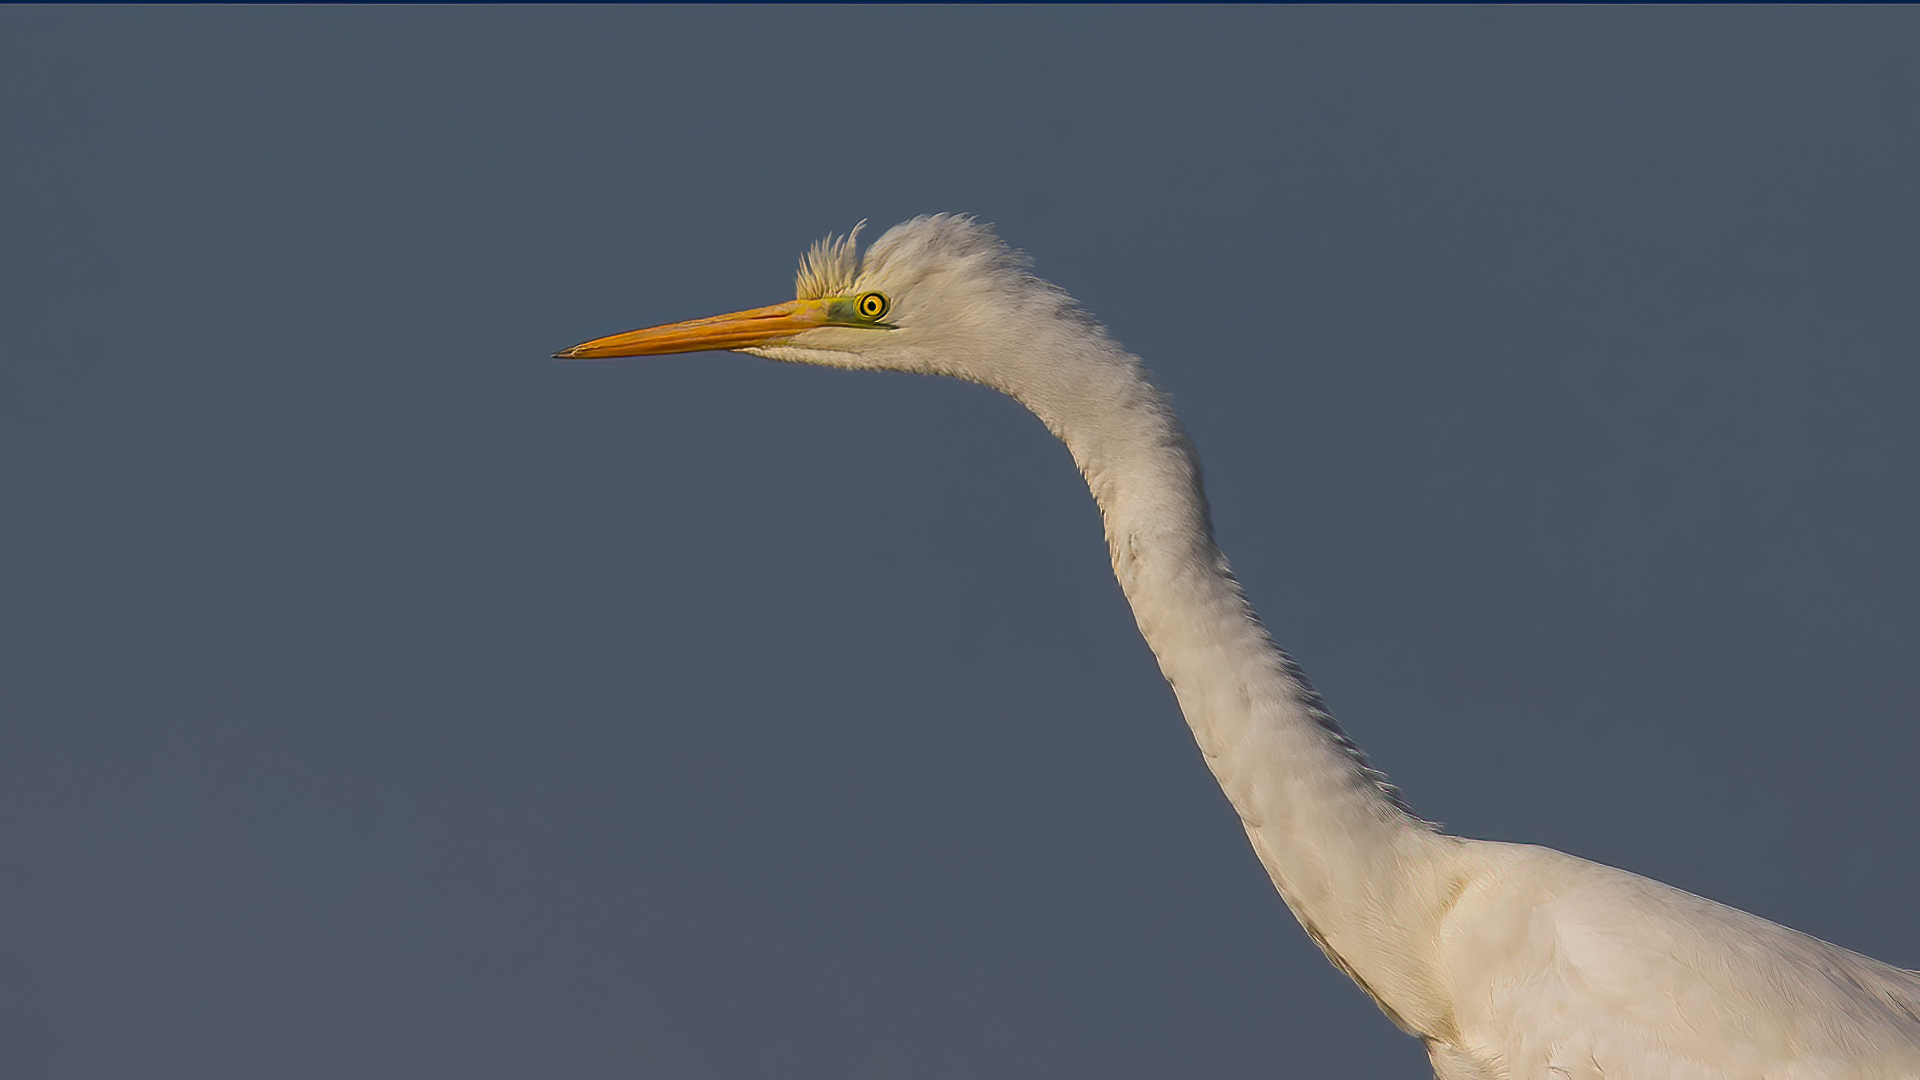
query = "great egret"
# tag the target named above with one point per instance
(1509, 961)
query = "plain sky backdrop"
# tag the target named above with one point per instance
(383, 699)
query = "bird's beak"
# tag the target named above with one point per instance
(740, 330)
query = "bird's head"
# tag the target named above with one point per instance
(940, 295)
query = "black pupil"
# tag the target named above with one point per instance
(871, 305)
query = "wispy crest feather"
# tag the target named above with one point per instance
(829, 267)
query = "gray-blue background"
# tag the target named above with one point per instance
(382, 699)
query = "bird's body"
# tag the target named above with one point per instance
(1508, 961)
(1556, 966)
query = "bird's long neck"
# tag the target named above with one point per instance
(1363, 875)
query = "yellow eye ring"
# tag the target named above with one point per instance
(871, 305)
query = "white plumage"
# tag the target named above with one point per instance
(1509, 961)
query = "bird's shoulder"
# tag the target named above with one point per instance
(1560, 966)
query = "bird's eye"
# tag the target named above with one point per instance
(871, 305)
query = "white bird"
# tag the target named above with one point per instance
(1511, 962)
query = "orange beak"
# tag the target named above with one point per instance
(740, 330)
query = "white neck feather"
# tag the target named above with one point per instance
(1365, 877)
